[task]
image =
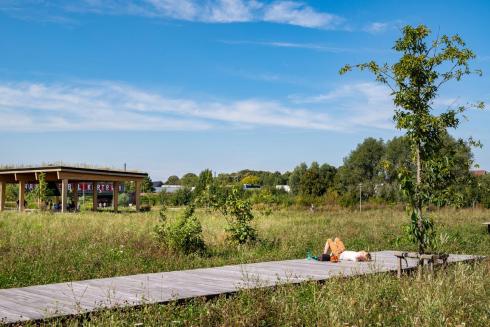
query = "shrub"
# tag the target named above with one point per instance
(238, 213)
(123, 200)
(182, 197)
(184, 235)
(145, 208)
(150, 199)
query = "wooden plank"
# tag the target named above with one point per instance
(76, 176)
(3, 187)
(64, 195)
(22, 189)
(94, 196)
(115, 196)
(137, 195)
(43, 301)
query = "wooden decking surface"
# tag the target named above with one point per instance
(45, 301)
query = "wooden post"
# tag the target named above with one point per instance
(64, 195)
(115, 195)
(74, 193)
(399, 270)
(94, 196)
(137, 194)
(419, 269)
(22, 190)
(3, 186)
(431, 267)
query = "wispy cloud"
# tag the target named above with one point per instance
(306, 46)
(376, 27)
(380, 27)
(295, 13)
(115, 106)
(364, 104)
(294, 45)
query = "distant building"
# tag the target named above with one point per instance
(161, 187)
(157, 186)
(286, 188)
(251, 187)
(479, 172)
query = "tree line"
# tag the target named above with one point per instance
(370, 171)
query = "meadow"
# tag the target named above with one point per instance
(41, 248)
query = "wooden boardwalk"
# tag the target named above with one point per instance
(45, 301)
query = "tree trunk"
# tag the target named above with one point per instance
(418, 203)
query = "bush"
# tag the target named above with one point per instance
(145, 208)
(184, 235)
(123, 200)
(150, 199)
(181, 197)
(238, 212)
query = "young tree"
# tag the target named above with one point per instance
(363, 165)
(173, 180)
(250, 179)
(41, 191)
(189, 180)
(147, 185)
(415, 81)
(296, 176)
(311, 182)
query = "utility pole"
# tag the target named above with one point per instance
(360, 197)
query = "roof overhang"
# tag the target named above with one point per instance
(58, 173)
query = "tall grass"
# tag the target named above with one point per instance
(40, 248)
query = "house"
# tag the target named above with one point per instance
(479, 172)
(286, 188)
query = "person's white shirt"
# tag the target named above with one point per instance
(349, 256)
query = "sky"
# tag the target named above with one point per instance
(177, 86)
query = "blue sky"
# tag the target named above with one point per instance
(171, 86)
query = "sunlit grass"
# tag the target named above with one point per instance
(37, 248)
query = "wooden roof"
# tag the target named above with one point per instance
(57, 173)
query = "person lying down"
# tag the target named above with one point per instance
(337, 248)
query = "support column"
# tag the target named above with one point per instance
(64, 195)
(3, 186)
(115, 195)
(137, 194)
(94, 196)
(22, 190)
(74, 193)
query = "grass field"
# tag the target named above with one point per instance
(46, 248)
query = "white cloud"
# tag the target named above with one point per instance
(376, 27)
(178, 9)
(298, 13)
(307, 46)
(366, 104)
(208, 11)
(113, 106)
(231, 11)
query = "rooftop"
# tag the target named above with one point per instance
(63, 166)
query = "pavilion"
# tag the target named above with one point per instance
(68, 175)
